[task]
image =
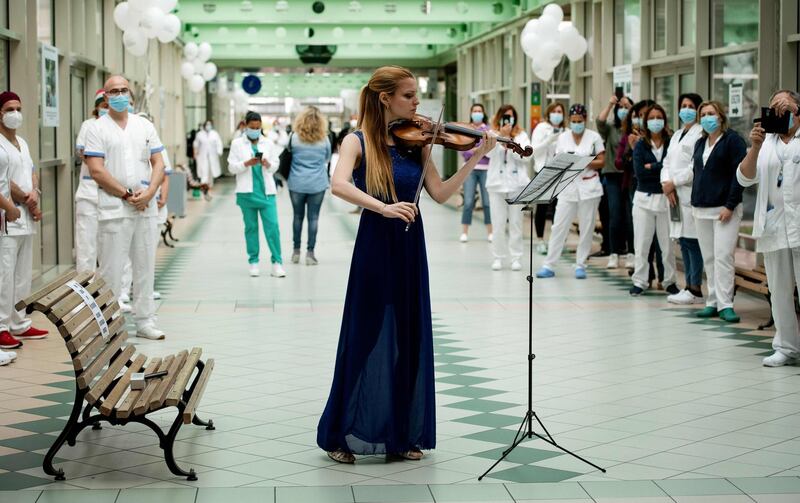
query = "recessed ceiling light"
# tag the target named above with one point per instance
(280, 32)
(390, 8)
(246, 6)
(366, 31)
(354, 6)
(281, 6)
(209, 7)
(252, 32)
(395, 31)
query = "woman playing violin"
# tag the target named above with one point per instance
(382, 396)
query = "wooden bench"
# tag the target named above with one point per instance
(755, 280)
(104, 363)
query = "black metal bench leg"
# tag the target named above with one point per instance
(167, 445)
(771, 322)
(47, 464)
(199, 422)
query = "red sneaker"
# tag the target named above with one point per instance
(32, 334)
(7, 341)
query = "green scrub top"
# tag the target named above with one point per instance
(257, 198)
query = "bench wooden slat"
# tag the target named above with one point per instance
(197, 392)
(100, 386)
(84, 317)
(92, 330)
(185, 373)
(761, 288)
(755, 276)
(38, 294)
(84, 358)
(64, 306)
(160, 394)
(110, 401)
(45, 303)
(143, 403)
(124, 410)
(85, 312)
(102, 359)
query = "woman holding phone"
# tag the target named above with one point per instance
(253, 159)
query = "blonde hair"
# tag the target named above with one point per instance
(372, 123)
(720, 109)
(310, 125)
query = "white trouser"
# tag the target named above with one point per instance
(500, 212)
(783, 277)
(718, 245)
(566, 211)
(123, 239)
(646, 223)
(127, 270)
(16, 270)
(85, 236)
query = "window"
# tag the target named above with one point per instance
(664, 95)
(659, 25)
(688, 22)
(686, 83)
(5, 83)
(4, 13)
(47, 135)
(588, 33)
(46, 22)
(734, 69)
(734, 22)
(627, 31)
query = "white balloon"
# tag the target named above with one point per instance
(187, 70)
(196, 83)
(132, 38)
(209, 71)
(204, 52)
(553, 11)
(540, 71)
(576, 49)
(530, 27)
(169, 29)
(547, 27)
(121, 15)
(199, 65)
(167, 6)
(548, 51)
(530, 43)
(190, 50)
(151, 21)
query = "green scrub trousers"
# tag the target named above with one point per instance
(258, 203)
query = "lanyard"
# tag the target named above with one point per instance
(780, 157)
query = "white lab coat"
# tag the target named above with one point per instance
(241, 151)
(16, 248)
(85, 209)
(543, 141)
(208, 148)
(777, 227)
(679, 168)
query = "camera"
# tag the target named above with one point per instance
(772, 122)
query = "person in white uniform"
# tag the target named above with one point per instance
(86, 197)
(543, 141)
(677, 176)
(16, 247)
(717, 206)
(581, 197)
(507, 173)
(207, 150)
(773, 163)
(123, 152)
(650, 207)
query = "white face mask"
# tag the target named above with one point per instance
(12, 120)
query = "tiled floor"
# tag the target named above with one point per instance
(675, 408)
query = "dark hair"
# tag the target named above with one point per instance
(635, 109)
(617, 122)
(252, 116)
(695, 98)
(665, 132)
(483, 109)
(505, 110)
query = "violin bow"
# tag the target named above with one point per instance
(427, 161)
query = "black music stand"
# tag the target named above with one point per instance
(543, 188)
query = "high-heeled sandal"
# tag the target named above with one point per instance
(342, 457)
(412, 455)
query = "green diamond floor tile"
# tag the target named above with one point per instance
(490, 420)
(439, 350)
(451, 358)
(757, 345)
(464, 380)
(70, 385)
(470, 392)
(13, 481)
(20, 461)
(497, 435)
(42, 425)
(532, 473)
(19, 496)
(61, 397)
(29, 442)
(453, 368)
(481, 405)
(521, 455)
(79, 496)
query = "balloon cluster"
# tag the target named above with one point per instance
(547, 39)
(196, 68)
(141, 20)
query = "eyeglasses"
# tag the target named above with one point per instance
(118, 92)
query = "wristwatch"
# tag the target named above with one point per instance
(128, 194)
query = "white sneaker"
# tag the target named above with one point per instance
(516, 266)
(684, 297)
(490, 238)
(541, 248)
(613, 261)
(278, 271)
(125, 298)
(150, 332)
(497, 265)
(124, 306)
(777, 359)
(630, 261)
(463, 238)
(5, 359)
(156, 295)
(254, 272)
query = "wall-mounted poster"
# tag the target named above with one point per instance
(735, 99)
(49, 86)
(623, 77)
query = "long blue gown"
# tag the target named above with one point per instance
(382, 396)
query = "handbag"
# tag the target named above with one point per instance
(285, 164)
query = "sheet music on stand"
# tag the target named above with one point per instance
(552, 179)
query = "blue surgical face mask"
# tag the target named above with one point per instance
(577, 127)
(119, 103)
(556, 118)
(791, 120)
(475, 116)
(253, 134)
(687, 115)
(130, 109)
(103, 111)
(637, 121)
(622, 113)
(709, 123)
(655, 125)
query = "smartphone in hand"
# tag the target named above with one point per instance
(772, 122)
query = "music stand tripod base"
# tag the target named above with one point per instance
(542, 189)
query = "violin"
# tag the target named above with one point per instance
(418, 132)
